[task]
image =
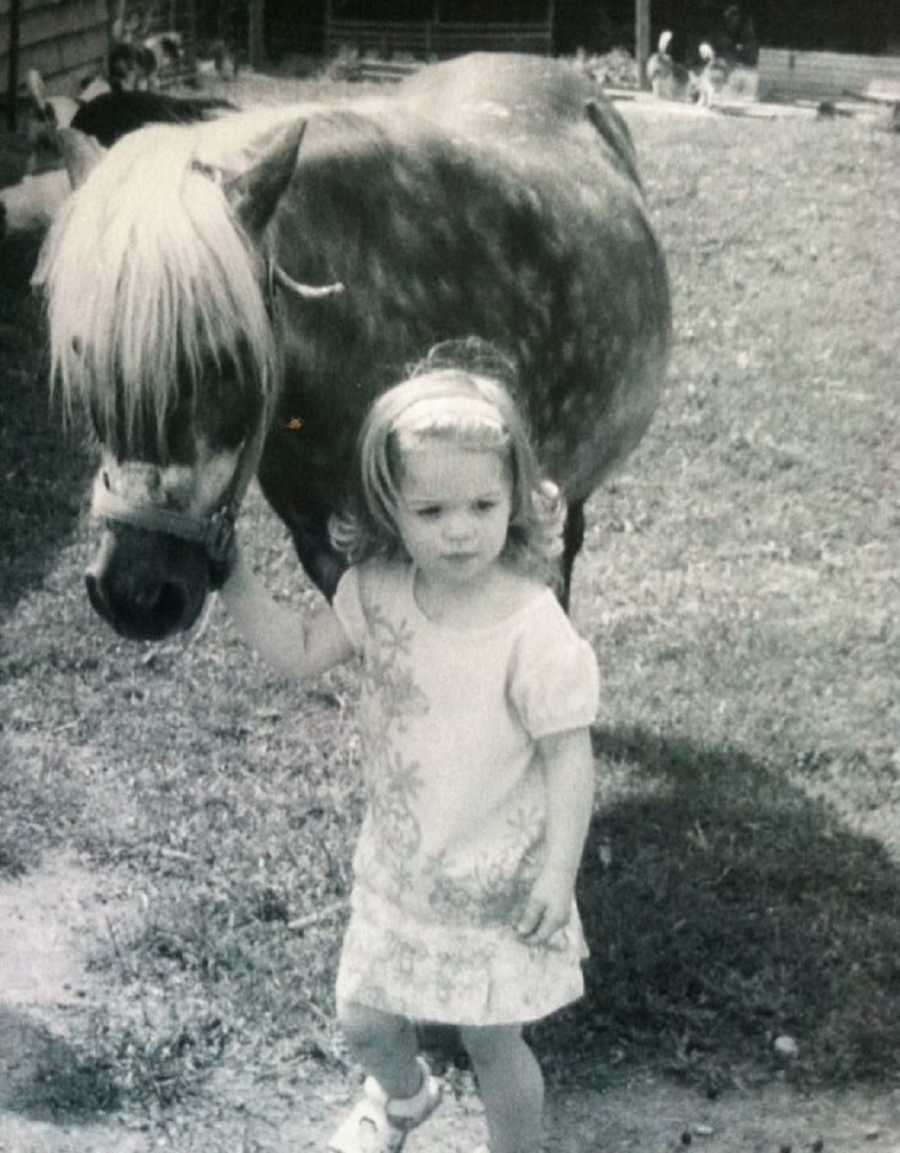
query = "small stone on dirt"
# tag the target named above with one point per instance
(786, 1047)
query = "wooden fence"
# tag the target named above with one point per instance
(65, 41)
(427, 38)
(787, 75)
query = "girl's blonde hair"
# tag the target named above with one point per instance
(445, 399)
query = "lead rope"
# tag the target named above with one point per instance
(222, 524)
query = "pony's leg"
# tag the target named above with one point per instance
(573, 538)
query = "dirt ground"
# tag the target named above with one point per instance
(52, 919)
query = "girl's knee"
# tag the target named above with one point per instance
(486, 1043)
(366, 1028)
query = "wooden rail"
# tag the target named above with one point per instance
(389, 71)
(424, 38)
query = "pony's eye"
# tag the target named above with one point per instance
(105, 478)
(77, 346)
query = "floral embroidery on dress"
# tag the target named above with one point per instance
(493, 887)
(485, 895)
(385, 678)
(390, 698)
(454, 834)
(391, 802)
(463, 971)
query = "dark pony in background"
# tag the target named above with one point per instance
(226, 299)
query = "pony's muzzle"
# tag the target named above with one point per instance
(147, 589)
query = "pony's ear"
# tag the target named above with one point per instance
(81, 153)
(254, 194)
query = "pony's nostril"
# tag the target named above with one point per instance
(152, 614)
(170, 604)
(152, 611)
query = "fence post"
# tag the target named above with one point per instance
(433, 31)
(12, 81)
(642, 40)
(326, 29)
(257, 34)
(191, 37)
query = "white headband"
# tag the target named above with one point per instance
(438, 414)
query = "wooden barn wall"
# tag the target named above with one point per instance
(786, 75)
(65, 41)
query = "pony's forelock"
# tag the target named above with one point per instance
(150, 284)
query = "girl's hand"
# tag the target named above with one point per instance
(549, 906)
(569, 775)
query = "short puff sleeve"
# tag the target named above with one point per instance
(348, 608)
(554, 683)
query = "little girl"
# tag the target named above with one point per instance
(476, 699)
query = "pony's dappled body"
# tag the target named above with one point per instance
(491, 196)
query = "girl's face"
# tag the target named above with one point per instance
(454, 510)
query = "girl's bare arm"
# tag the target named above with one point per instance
(296, 646)
(569, 778)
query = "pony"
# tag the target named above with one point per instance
(226, 299)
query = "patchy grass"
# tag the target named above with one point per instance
(742, 875)
(47, 1079)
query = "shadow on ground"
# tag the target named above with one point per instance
(44, 470)
(725, 908)
(44, 1078)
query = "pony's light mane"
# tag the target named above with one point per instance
(151, 284)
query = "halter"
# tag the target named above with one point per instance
(214, 530)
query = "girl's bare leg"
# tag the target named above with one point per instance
(511, 1086)
(385, 1045)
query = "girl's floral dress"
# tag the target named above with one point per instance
(453, 836)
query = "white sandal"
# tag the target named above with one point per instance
(380, 1124)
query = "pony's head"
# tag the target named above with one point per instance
(159, 303)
